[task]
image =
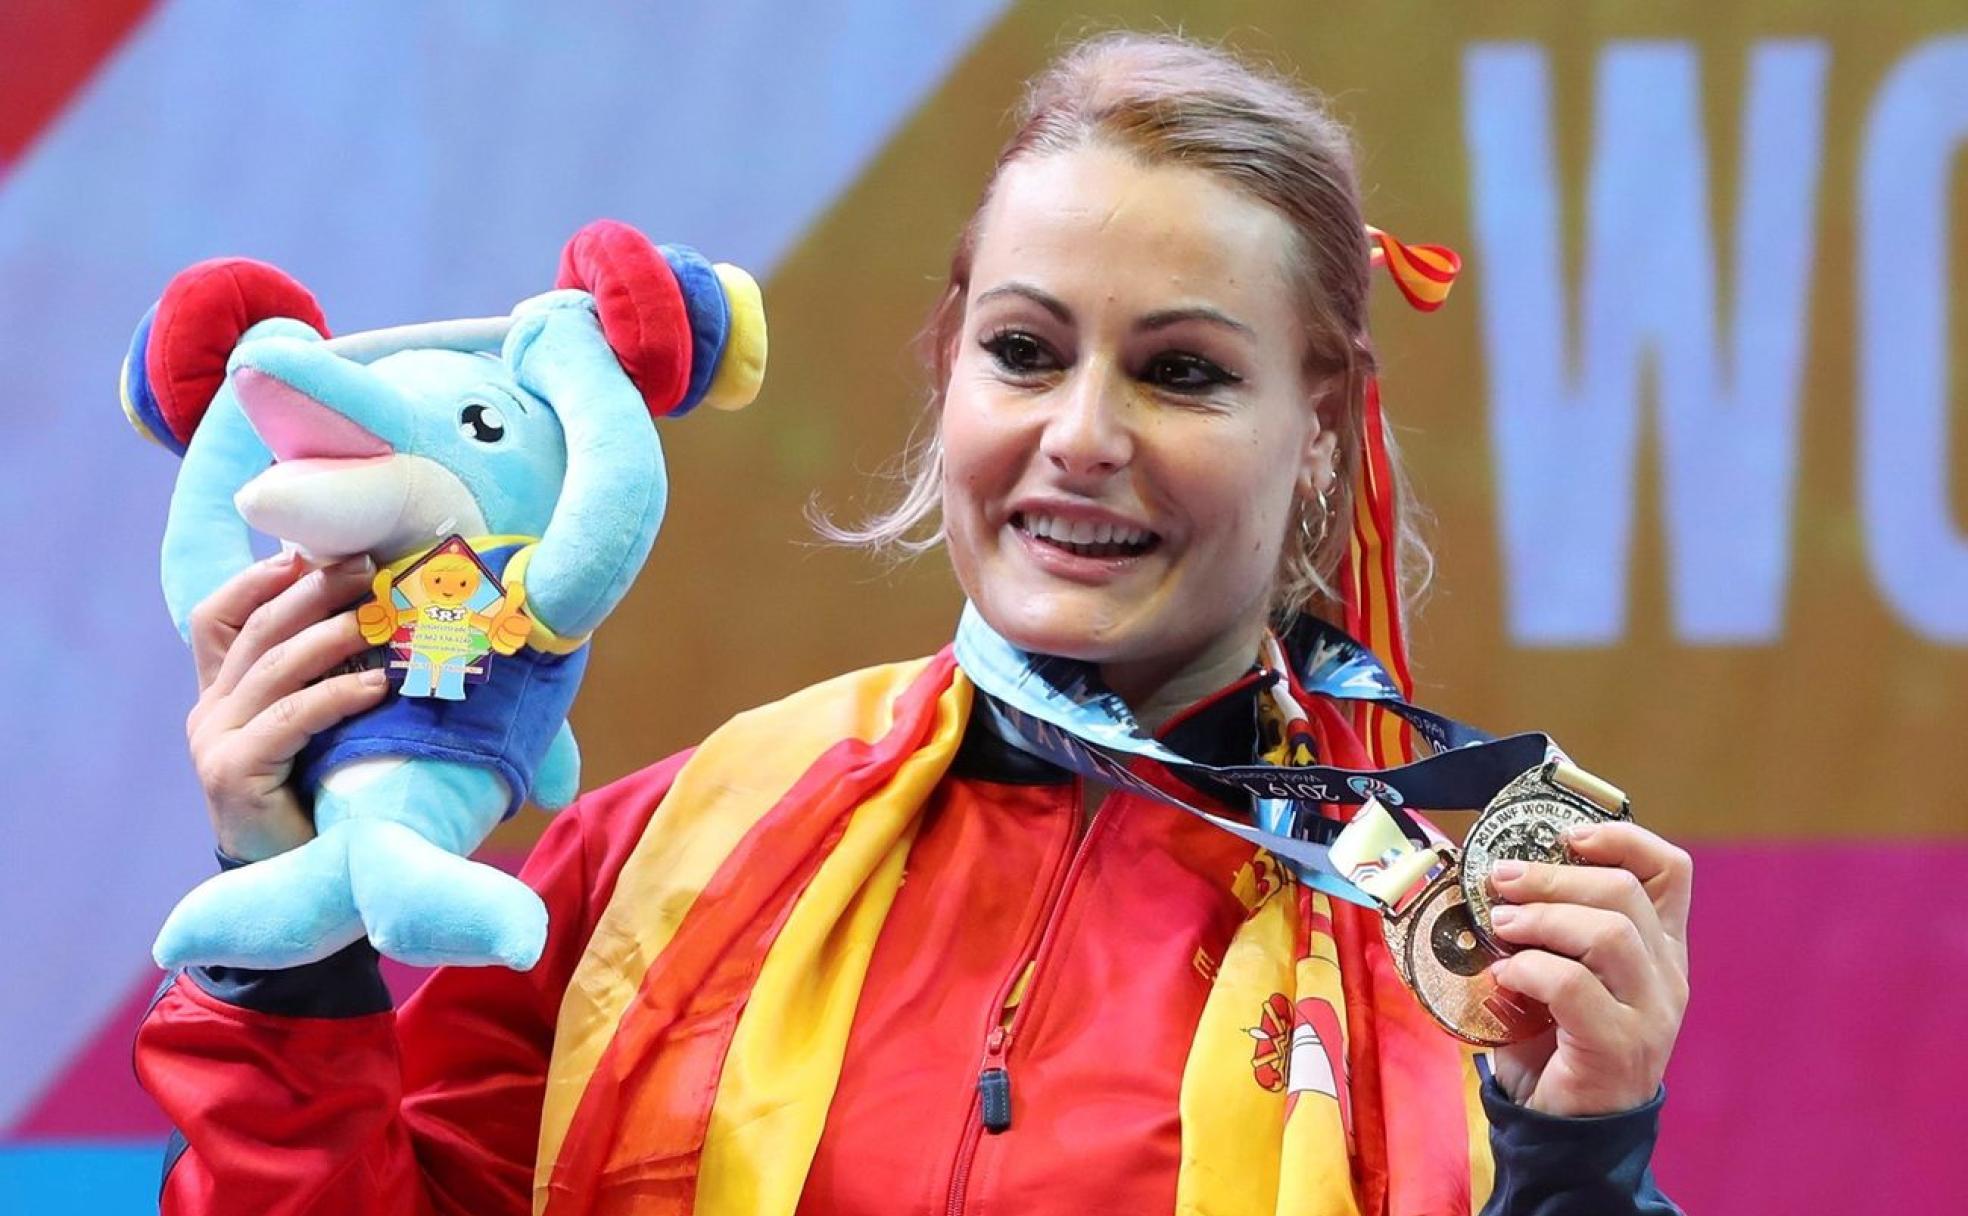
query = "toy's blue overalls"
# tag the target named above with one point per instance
(504, 724)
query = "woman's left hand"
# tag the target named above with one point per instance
(1605, 946)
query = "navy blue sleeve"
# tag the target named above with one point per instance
(1547, 1165)
(346, 984)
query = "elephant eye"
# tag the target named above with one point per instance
(481, 422)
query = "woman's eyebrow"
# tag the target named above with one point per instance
(1160, 319)
(1044, 300)
(1176, 316)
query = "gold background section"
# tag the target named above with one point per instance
(1850, 726)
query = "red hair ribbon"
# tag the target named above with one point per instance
(1370, 584)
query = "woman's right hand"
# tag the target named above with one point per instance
(262, 643)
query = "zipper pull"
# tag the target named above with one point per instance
(994, 1083)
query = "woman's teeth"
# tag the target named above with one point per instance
(1085, 537)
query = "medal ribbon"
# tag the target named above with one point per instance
(1060, 710)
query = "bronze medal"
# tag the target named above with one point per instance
(1447, 965)
(1527, 821)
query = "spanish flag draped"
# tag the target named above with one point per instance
(701, 1037)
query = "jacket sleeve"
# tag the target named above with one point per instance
(302, 1092)
(1547, 1165)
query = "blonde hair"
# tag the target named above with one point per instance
(1167, 100)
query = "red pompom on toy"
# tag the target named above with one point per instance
(643, 314)
(204, 311)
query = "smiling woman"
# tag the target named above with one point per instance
(1168, 275)
(1151, 412)
(1095, 390)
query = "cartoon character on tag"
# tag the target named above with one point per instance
(444, 617)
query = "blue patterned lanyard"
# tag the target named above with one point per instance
(1059, 710)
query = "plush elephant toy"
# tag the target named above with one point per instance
(506, 477)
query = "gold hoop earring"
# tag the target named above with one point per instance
(1314, 539)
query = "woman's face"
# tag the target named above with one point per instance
(1127, 426)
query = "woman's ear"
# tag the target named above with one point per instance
(1320, 455)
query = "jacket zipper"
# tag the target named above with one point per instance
(994, 1083)
(991, 1103)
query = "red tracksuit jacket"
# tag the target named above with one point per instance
(302, 1091)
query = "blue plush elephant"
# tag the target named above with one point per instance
(530, 437)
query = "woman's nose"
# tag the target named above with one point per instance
(1087, 434)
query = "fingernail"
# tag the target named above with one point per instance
(374, 677)
(1507, 870)
(1502, 915)
(1580, 833)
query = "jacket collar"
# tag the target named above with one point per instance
(1219, 729)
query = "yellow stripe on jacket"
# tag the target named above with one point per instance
(785, 1058)
(739, 774)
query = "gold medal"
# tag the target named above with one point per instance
(1447, 967)
(1527, 821)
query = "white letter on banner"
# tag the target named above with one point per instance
(1918, 123)
(1566, 436)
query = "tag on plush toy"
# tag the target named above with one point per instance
(444, 616)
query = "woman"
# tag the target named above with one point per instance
(862, 951)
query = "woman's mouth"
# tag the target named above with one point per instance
(1085, 538)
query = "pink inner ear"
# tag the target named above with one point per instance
(296, 426)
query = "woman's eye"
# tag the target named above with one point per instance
(1019, 353)
(481, 422)
(1186, 373)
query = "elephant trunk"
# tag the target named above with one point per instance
(611, 504)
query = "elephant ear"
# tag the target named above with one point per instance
(641, 306)
(685, 331)
(177, 359)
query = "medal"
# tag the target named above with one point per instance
(1527, 821)
(1440, 936)
(1445, 963)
